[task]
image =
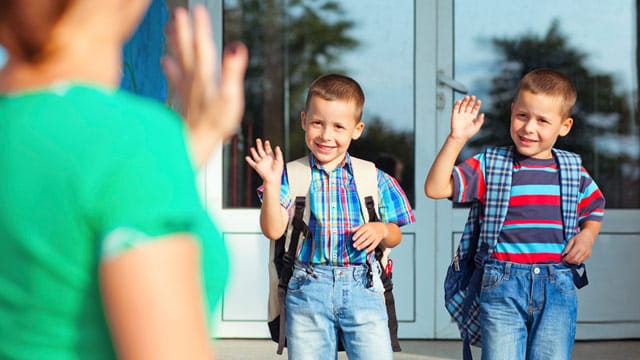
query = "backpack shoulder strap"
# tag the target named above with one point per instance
(498, 168)
(365, 176)
(299, 179)
(569, 165)
(497, 171)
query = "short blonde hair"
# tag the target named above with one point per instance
(553, 83)
(337, 87)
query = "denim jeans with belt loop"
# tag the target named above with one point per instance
(527, 311)
(324, 302)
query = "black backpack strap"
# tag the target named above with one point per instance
(389, 300)
(373, 217)
(288, 261)
(371, 210)
(282, 294)
(299, 227)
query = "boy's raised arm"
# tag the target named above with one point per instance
(465, 123)
(269, 164)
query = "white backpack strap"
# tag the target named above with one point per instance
(299, 179)
(365, 175)
(299, 176)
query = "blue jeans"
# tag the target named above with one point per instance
(527, 311)
(328, 302)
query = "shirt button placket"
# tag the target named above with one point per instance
(334, 251)
(334, 231)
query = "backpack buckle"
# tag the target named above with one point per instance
(456, 263)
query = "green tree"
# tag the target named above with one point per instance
(291, 42)
(379, 139)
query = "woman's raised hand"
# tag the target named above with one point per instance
(211, 99)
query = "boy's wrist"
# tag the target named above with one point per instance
(587, 235)
(457, 140)
(271, 182)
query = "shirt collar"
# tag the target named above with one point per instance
(346, 163)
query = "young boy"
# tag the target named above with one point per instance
(330, 297)
(528, 301)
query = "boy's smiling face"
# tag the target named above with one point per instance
(536, 122)
(329, 127)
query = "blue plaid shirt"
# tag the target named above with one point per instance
(335, 210)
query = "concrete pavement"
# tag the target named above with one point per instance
(251, 349)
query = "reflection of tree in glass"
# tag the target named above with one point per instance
(600, 113)
(290, 43)
(379, 139)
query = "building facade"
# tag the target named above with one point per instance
(414, 59)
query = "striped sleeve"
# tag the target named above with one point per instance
(394, 206)
(468, 180)
(591, 201)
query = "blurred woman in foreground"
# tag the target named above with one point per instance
(105, 248)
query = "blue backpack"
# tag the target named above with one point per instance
(464, 275)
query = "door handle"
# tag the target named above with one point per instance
(446, 80)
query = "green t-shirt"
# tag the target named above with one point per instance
(86, 173)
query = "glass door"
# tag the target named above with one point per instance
(488, 46)
(291, 42)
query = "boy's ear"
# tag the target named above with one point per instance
(303, 119)
(357, 131)
(566, 126)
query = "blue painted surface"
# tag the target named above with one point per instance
(3, 56)
(141, 70)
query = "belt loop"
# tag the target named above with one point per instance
(552, 273)
(507, 270)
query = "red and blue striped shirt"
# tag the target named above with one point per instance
(532, 231)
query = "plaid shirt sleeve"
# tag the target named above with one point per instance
(285, 198)
(394, 206)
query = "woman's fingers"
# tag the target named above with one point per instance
(183, 39)
(234, 65)
(204, 49)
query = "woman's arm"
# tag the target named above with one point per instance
(154, 301)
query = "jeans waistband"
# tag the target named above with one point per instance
(534, 269)
(331, 270)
